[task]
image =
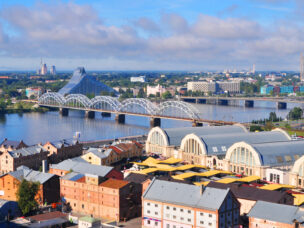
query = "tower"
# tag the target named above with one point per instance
(302, 67)
(253, 68)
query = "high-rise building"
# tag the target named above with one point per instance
(43, 69)
(302, 67)
(53, 70)
(253, 68)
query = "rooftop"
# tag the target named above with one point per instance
(114, 183)
(24, 172)
(26, 151)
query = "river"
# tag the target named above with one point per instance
(41, 127)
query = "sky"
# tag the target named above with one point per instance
(190, 35)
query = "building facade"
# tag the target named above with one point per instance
(214, 87)
(200, 207)
(138, 79)
(31, 157)
(154, 90)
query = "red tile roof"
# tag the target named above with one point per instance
(114, 183)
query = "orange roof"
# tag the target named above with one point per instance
(82, 179)
(114, 183)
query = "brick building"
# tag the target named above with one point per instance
(112, 154)
(69, 165)
(93, 195)
(49, 189)
(9, 145)
(265, 215)
(31, 157)
(62, 150)
(171, 204)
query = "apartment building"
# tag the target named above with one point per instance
(94, 195)
(214, 87)
(175, 205)
(63, 149)
(31, 157)
(48, 190)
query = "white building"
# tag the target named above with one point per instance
(53, 70)
(138, 79)
(155, 89)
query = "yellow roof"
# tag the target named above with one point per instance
(170, 161)
(227, 180)
(249, 179)
(184, 176)
(201, 183)
(298, 199)
(274, 187)
(213, 172)
(148, 162)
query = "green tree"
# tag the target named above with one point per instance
(141, 93)
(167, 95)
(3, 105)
(273, 117)
(295, 114)
(26, 196)
(19, 106)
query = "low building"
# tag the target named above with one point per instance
(63, 149)
(154, 90)
(93, 195)
(36, 92)
(138, 79)
(266, 214)
(49, 189)
(248, 195)
(31, 157)
(69, 165)
(201, 87)
(88, 222)
(170, 204)
(9, 145)
(214, 87)
(112, 154)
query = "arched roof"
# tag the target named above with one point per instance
(218, 144)
(175, 135)
(273, 153)
(297, 164)
(161, 132)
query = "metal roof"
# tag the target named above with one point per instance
(219, 143)
(175, 135)
(100, 152)
(24, 172)
(82, 167)
(26, 151)
(174, 193)
(276, 212)
(64, 143)
(282, 153)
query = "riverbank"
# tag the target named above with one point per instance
(23, 107)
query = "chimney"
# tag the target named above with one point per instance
(44, 166)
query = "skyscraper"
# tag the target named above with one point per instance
(53, 70)
(253, 68)
(302, 67)
(43, 69)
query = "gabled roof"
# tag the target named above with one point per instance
(26, 151)
(82, 167)
(185, 194)
(64, 143)
(251, 193)
(100, 152)
(11, 143)
(24, 172)
(276, 212)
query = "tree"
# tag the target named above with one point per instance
(26, 196)
(273, 117)
(167, 95)
(141, 93)
(295, 113)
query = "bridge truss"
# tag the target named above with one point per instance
(141, 106)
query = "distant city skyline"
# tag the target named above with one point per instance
(190, 35)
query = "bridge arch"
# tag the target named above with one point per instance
(105, 103)
(178, 109)
(138, 105)
(51, 98)
(77, 101)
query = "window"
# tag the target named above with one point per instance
(82, 206)
(224, 148)
(201, 222)
(182, 218)
(210, 215)
(156, 205)
(156, 213)
(174, 216)
(181, 210)
(279, 159)
(189, 220)
(209, 224)
(148, 211)
(148, 204)
(168, 226)
(189, 212)
(201, 214)
(168, 207)
(214, 149)
(156, 223)
(148, 222)
(174, 209)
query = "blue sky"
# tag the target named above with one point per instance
(152, 35)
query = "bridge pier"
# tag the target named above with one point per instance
(155, 122)
(120, 118)
(249, 103)
(222, 102)
(106, 114)
(64, 111)
(90, 114)
(282, 105)
(196, 124)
